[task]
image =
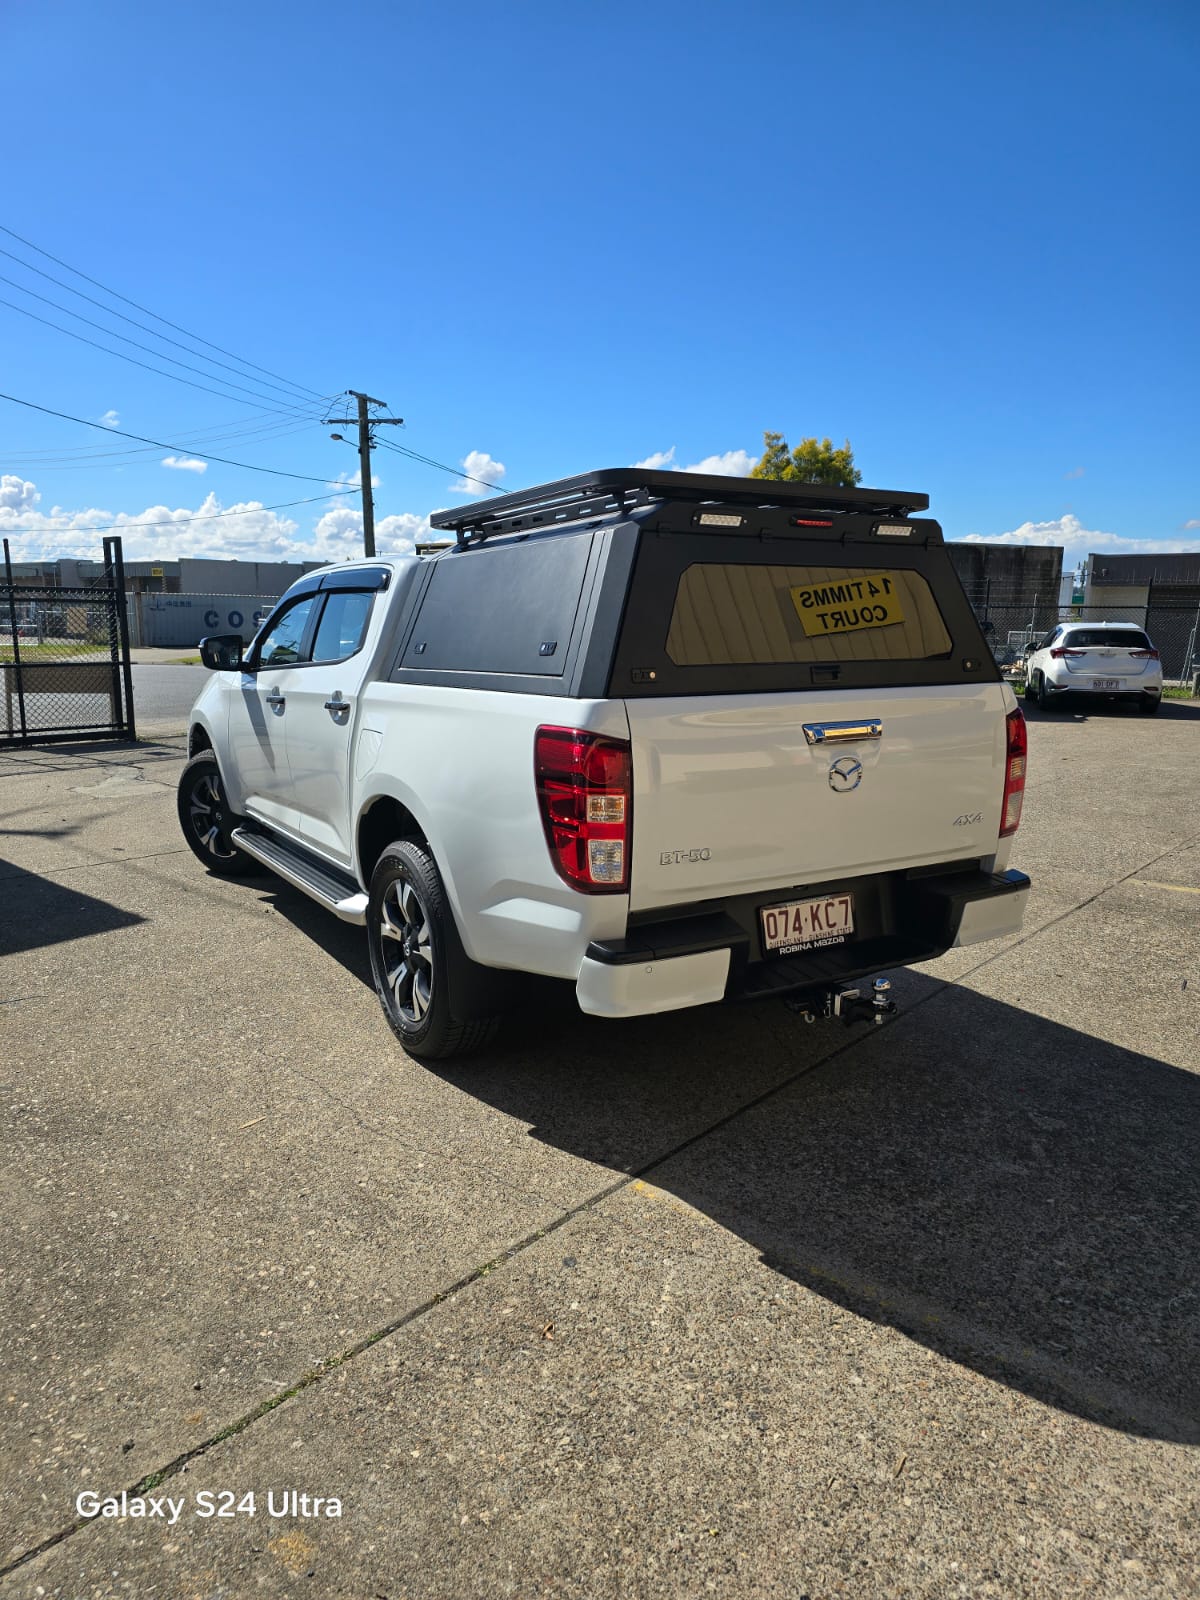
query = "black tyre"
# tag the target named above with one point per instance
(422, 977)
(1029, 692)
(1149, 706)
(1043, 697)
(207, 821)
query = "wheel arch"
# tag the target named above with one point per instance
(383, 819)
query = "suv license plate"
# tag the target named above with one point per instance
(806, 924)
(1106, 683)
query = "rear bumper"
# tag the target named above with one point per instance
(714, 952)
(1131, 692)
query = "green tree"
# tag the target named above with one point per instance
(812, 461)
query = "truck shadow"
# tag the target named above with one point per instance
(1017, 1195)
(39, 912)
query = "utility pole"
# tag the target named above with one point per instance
(365, 422)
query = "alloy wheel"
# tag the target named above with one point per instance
(408, 951)
(210, 817)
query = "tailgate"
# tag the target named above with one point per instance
(1096, 662)
(737, 793)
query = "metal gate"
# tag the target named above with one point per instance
(64, 658)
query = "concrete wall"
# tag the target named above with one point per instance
(1008, 574)
(1116, 602)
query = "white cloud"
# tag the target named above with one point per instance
(246, 530)
(1077, 540)
(338, 535)
(481, 466)
(184, 464)
(17, 494)
(110, 419)
(1075, 472)
(1192, 522)
(733, 464)
(730, 464)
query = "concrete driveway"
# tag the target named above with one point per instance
(164, 693)
(706, 1303)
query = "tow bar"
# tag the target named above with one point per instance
(850, 1004)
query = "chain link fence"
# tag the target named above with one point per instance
(1012, 624)
(64, 660)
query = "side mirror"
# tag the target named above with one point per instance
(223, 652)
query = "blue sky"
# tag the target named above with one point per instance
(561, 237)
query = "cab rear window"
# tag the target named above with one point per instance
(731, 614)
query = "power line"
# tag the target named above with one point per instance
(278, 472)
(86, 460)
(137, 345)
(442, 466)
(301, 393)
(95, 282)
(241, 428)
(182, 522)
(83, 339)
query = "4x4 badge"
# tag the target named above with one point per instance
(845, 774)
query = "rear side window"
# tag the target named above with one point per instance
(342, 626)
(726, 614)
(1106, 638)
(506, 609)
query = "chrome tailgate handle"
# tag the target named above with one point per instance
(832, 732)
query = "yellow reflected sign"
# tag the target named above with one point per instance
(846, 605)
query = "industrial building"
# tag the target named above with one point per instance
(189, 575)
(1015, 590)
(175, 603)
(1137, 580)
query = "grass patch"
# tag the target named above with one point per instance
(1171, 692)
(56, 652)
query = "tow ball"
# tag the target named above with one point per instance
(850, 1004)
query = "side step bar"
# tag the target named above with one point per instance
(335, 890)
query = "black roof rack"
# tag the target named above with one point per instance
(619, 489)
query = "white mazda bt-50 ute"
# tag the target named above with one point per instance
(669, 738)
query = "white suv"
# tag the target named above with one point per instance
(1113, 661)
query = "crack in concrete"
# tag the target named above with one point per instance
(90, 866)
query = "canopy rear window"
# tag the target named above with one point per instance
(736, 615)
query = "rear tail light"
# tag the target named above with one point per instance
(1144, 655)
(1060, 651)
(585, 792)
(1014, 774)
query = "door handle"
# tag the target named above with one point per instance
(337, 705)
(276, 700)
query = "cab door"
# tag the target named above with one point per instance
(260, 779)
(320, 721)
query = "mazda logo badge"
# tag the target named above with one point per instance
(845, 774)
